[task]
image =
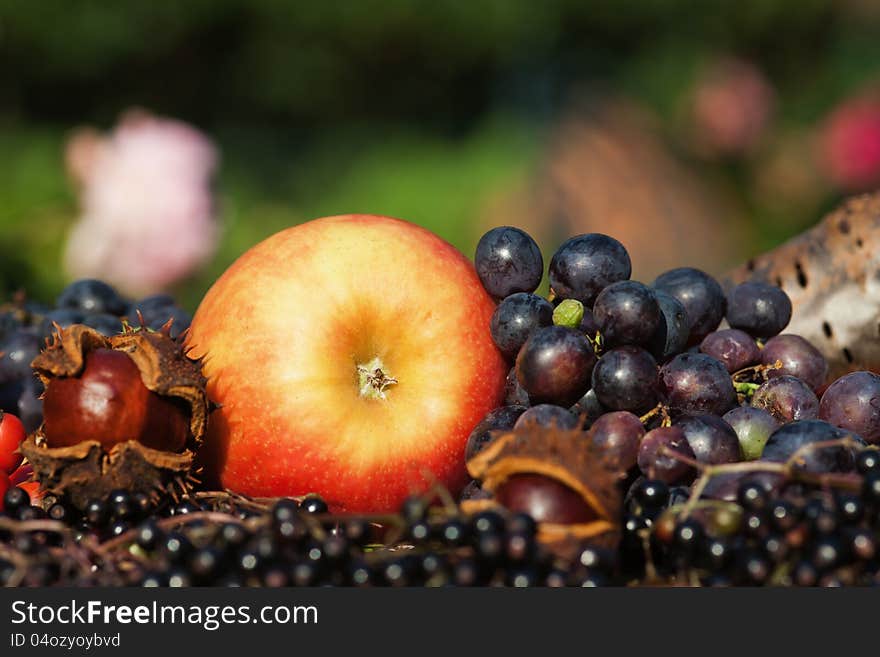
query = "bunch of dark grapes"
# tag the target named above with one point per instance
(745, 464)
(25, 326)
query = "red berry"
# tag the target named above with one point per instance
(11, 434)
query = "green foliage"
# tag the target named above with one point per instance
(417, 108)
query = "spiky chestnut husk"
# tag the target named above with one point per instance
(558, 476)
(78, 470)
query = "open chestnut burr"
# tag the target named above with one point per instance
(128, 412)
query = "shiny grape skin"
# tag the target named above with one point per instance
(799, 358)
(725, 486)
(627, 313)
(787, 398)
(734, 348)
(702, 298)
(555, 365)
(499, 419)
(507, 261)
(853, 403)
(516, 318)
(672, 336)
(514, 395)
(788, 438)
(697, 384)
(547, 415)
(16, 353)
(584, 265)
(588, 325)
(660, 466)
(712, 440)
(91, 296)
(618, 434)
(759, 309)
(589, 409)
(753, 427)
(625, 379)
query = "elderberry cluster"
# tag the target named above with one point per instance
(234, 542)
(796, 536)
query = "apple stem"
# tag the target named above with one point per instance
(373, 380)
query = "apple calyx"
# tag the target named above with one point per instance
(373, 379)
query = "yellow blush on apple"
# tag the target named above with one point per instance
(351, 357)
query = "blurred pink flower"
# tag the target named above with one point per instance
(147, 205)
(850, 144)
(732, 105)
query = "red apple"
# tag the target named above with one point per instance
(350, 357)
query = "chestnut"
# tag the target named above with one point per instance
(545, 499)
(109, 402)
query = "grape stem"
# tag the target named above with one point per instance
(788, 469)
(660, 409)
(746, 388)
(755, 371)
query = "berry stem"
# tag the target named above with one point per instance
(788, 469)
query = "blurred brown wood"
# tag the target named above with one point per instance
(607, 170)
(832, 274)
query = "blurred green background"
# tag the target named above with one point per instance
(444, 112)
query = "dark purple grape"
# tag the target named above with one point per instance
(507, 261)
(588, 326)
(712, 440)
(625, 379)
(104, 323)
(588, 409)
(666, 468)
(759, 309)
(516, 318)
(786, 440)
(153, 307)
(59, 318)
(735, 349)
(726, 486)
(16, 354)
(702, 298)
(18, 350)
(787, 398)
(156, 310)
(91, 296)
(30, 405)
(671, 336)
(500, 419)
(798, 357)
(547, 415)
(514, 395)
(9, 324)
(584, 265)
(853, 402)
(753, 427)
(697, 384)
(555, 365)
(627, 314)
(618, 434)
